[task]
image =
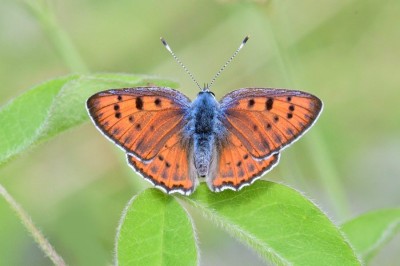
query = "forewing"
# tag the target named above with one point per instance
(171, 170)
(139, 120)
(266, 120)
(237, 167)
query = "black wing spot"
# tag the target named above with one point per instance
(119, 98)
(157, 102)
(251, 103)
(276, 119)
(131, 119)
(116, 107)
(167, 164)
(269, 126)
(289, 115)
(289, 98)
(152, 128)
(239, 164)
(118, 115)
(291, 108)
(245, 156)
(139, 103)
(160, 157)
(138, 126)
(269, 103)
(255, 127)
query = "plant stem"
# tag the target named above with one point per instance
(328, 175)
(36, 234)
(317, 148)
(60, 40)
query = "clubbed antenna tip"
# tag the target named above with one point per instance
(165, 43)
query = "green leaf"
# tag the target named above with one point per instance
(155, 230)
(278, 222)
(369, 232)
(54, 106)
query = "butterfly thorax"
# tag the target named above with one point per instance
(204, 131)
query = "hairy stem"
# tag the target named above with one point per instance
(36, 234)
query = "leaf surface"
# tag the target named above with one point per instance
(155, 230)
(369, 232)
(282, 225)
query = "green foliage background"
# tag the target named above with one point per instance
(76, 185)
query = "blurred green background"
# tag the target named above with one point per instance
(76, 185)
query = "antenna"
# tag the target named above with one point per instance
(227, 63)
(179, 62)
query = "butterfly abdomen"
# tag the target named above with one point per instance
(203, 147)
(203, 132)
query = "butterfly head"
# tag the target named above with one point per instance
(206, 89)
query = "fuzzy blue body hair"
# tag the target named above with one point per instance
(205, 131)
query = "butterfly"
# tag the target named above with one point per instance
(174, 142)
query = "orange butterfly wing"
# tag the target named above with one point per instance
(267, 120)
(147, 123)
(171, 170)
(260, 122)
(237, 168)
(139, 120)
